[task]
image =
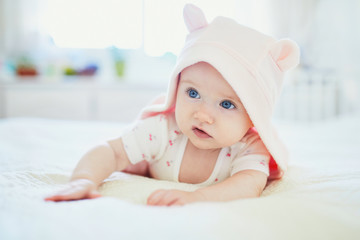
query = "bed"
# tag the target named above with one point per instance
(318, 198)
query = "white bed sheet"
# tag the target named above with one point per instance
(318, 198)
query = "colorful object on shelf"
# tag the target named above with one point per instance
(69, 71)
(26, 70)
(118, 56)
(120, 67)
(25, 66)
(89, 70)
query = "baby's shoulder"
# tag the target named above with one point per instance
(251, 136)
(172, 126)
(250, 143)
(164, 121)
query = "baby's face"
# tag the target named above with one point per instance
(208, 111)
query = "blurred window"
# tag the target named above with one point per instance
(164, 28)
(93, 23)
(155, 25)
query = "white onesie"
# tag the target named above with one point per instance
(159, 141)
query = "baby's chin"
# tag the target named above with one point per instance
(206, 145)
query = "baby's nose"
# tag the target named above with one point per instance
(204, 116)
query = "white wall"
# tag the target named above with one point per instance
(325, 29)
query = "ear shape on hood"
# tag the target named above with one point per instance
(286, 54)
(194, 18)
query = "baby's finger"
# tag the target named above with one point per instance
(51, 198)
(68, 194)
(177, 202)
(58, 197)
(155, 197)
(94, 194)
(168, 198)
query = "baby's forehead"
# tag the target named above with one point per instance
(203, 75)
(200, 66)
(202, 71)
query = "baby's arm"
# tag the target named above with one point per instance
(95, 166)
(244, 184)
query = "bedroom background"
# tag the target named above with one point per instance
(86, 59)
(73, 73)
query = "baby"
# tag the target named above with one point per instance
(213, 129)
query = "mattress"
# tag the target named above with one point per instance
(318, 198)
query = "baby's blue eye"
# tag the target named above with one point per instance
(193, 93)
(227, 104)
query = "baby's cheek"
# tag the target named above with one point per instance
(233, 132)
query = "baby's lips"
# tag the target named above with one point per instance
(201, 133)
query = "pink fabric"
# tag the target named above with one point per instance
(194, 18)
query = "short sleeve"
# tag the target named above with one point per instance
(146, 140)
(252, 155)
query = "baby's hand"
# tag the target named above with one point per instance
(75, 190)
(173, 198)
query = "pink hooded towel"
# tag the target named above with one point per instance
(253, 64)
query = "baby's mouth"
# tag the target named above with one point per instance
(200, 133)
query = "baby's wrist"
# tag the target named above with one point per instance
(201, 195)
(83, 181)
(82, 175)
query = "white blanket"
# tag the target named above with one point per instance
(318, 198)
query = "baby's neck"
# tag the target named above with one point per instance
(202, 152)
(197, 164)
